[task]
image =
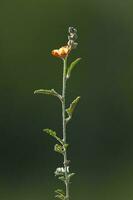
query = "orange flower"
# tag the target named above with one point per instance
(62, 52)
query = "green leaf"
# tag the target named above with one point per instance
(50, 132)
(71, 67)
(66, 146)
(70, 175)
(53, 134)
(60, 194)
(62, 178)
(59, 191)
(59, 148)
(51, 92)
(57, 173)
(71, 109)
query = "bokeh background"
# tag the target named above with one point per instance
(101, 132)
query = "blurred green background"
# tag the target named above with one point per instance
(100, 134)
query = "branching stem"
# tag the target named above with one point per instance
(64, 125)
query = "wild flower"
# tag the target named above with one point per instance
(63, 173)
(61, 52)
(71, 44)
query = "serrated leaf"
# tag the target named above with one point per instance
(71, 67)
(51, 92)
(59, 148)
(71, 109)
(53, 134)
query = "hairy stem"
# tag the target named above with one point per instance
(64, 125)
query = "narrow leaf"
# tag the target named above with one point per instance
(70, 175)
(53, 134)
(71, 109)
(59, 196)
(71, 67)
(62, 178)
(59, 191)
(51, 92)
(50, 132)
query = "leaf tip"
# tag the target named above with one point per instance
(79, 58)
(79, 97)
(71, 67)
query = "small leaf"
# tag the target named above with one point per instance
(59, 196)
(53, 134)
(71, 109)
(66, 145)
(59, 148)
(70, 175)
(71, 67)
(59, 191)
(51, 92)
(50, 132)
(62, 178)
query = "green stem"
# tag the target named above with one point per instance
(64, 125)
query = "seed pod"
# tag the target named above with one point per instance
(72, 30)
(72, 36)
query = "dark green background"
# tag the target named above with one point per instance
(100, 134)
